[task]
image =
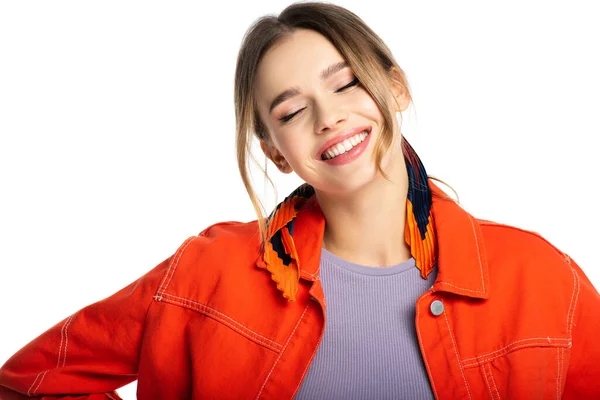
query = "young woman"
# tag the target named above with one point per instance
(367, 281)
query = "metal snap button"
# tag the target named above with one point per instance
(437, 307)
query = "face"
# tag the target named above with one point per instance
(322, 124)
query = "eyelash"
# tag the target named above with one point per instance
(288, 117)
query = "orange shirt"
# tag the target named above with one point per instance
(509, 316)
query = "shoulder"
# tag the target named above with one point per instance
(524, 255)
(228, 240)
(230, 230)
(215, 274)
(222, 235)
(517, 239)
(220, 252)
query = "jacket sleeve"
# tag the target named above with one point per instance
(583, 374)
(90, 353)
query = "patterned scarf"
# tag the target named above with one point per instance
(281, 258)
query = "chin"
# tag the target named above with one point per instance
(348, 185)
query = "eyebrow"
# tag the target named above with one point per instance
(293, 91)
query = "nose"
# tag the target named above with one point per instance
(329, 117)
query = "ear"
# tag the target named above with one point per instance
(275, 156)
(400, 93)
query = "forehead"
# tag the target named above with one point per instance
(296, 60)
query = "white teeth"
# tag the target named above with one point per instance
(344, 146)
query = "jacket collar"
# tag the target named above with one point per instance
(461, 257)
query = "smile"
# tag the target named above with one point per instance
(344, 146)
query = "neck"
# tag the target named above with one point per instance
(367, 226)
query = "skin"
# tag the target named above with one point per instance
(365, 213)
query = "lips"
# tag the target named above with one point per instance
(341, 137)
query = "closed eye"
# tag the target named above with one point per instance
(288, 117)
(354, 82)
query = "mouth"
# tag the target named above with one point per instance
(344, 143)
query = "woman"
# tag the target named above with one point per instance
(421, 299)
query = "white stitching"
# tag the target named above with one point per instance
(478, 252)
(499, 355)
(63, 335)
(173, 265)
(572, 296)
(487, 383)
(62, 338)
(480, 265)
(34, 381)
(548, 339)
(493, 381)
(176, 263)
(458, 287)
(282, 351)
(571, 314)
(307, 366)
(244, 332)
(309, 274)
(462, 372)
(38, 385)
(575, 304)
(66, 339)
(562, 368)
(225, 317)
(306, 369)
(422, 350)
(558, 373)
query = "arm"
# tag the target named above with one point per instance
(94, 351)
(583, 374)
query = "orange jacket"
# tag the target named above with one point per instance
(519, 320)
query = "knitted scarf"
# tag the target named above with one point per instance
(280, 256)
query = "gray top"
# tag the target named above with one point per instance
(369, 349)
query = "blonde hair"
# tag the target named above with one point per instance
(367, 55)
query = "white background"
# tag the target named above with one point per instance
(117, 132)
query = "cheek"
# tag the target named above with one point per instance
(294, 147)
(368, 106)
